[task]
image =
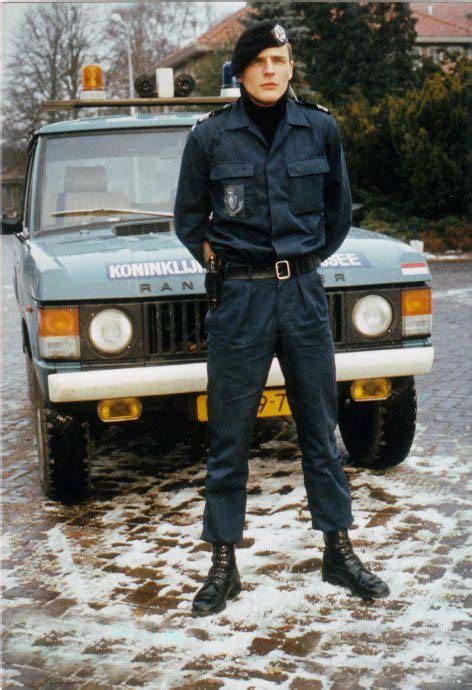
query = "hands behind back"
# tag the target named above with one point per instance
(207, 251)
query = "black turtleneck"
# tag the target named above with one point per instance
(266, 117)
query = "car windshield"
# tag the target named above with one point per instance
(114, 173)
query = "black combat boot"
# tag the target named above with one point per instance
(341, 566)
(221, 582)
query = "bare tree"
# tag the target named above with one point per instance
(53, 42)
(155, 30)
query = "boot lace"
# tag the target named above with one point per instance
(344, 547)
(222, 561)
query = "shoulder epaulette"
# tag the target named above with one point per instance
(316, 106)
(214, 112)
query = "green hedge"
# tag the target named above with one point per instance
(416, 148)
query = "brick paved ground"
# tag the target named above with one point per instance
(444, 394)
(97, 596)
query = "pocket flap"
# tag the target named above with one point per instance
(223, 170)
(309, 166)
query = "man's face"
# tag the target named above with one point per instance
(266, 77)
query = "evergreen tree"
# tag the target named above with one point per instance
(431, 131)
(339, 45)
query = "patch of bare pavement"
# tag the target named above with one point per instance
(98, 595)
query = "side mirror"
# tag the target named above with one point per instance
(357, 213)
(11, 226)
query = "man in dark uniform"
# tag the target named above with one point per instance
(272, 172)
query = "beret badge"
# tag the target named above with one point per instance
(279, 34)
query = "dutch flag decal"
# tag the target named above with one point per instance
(413, 268)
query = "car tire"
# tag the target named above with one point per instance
(380, 434)
(63, 445)
(29, 378)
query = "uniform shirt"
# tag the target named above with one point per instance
(256, 204)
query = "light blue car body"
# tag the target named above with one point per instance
(95, 265)
(365, 258)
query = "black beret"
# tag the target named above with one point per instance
(265, 34)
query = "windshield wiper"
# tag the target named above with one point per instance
(107, 211)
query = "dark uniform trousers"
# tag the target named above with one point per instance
(254, 320)
(289, 200)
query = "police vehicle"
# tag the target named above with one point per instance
(112, 305)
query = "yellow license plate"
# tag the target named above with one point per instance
(273, 403)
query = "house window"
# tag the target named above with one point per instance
(436, 53)
(417, 54)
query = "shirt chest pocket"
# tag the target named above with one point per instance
(305, 180)
(231, 186)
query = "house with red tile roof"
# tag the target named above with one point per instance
(219, 38)
(443, 26)
(440, 26)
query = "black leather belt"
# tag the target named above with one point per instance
(280, 269)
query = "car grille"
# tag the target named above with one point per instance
(141, 228)
(336, 305)
(175, 329)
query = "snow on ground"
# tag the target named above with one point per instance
(449, 255)
(459, 295)
(106, 587)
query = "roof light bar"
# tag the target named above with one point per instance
(126, 102)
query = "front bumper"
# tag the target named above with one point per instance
(174, 379)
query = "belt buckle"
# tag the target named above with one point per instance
(277, 264)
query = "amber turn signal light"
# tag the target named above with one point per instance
(417, 317)
(58, 321)
(416, 301)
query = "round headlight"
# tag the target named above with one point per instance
(372, 316)
(110, 331)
